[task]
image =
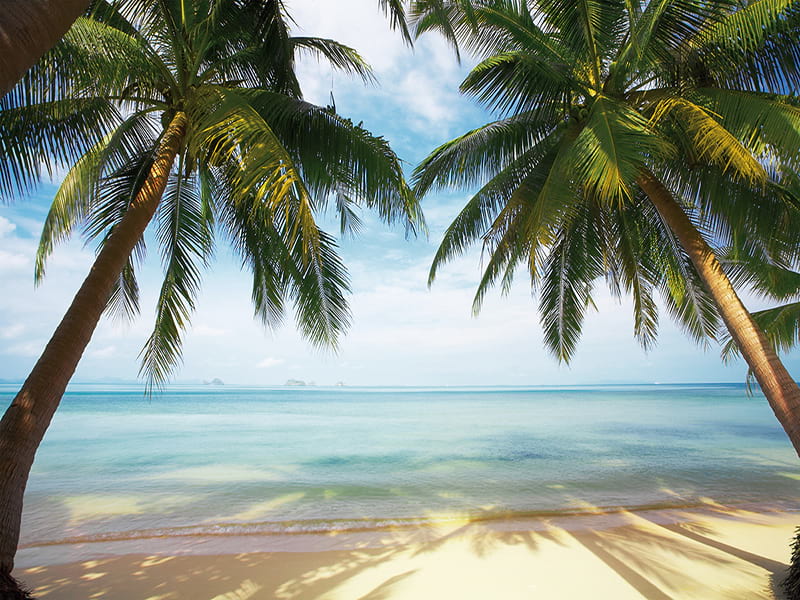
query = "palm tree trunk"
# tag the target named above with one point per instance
(28, 29)
(24, 424)
(778, 386)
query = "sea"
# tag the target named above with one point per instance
(231, 460)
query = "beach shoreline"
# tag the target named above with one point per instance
(712, 551)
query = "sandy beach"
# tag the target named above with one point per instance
(712, 552)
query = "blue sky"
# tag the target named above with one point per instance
(403, 333)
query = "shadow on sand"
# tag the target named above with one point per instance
(656, 555)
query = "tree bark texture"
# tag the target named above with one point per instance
(25, 421)
(28, 29)
(778, 386)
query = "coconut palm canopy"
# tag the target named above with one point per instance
(593, 95)
(255, 165)
(635, 137)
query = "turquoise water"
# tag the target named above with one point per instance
(231, 459)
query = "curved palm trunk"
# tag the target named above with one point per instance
(28, 29)
(24, 424)
(778, 386)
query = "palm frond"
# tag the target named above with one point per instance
(766, 124)
(633, 268)
(478, 155)
(452, 19)
(685, 296)
(36, 140)
(314, 280)
(83, 195)
(711, 141)
(396, 11)
(231, 133)
(780, 324)
(319, 296)
(754, 268)
(754, 47)
(185, 233)
(590, 28)
(354, 162)
(526, 186)
(659, 33)
(573, 264)
(513, 82)
(342, 57)
(123, 303)
(610, 150)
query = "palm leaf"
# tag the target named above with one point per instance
(513, 82)
(338, 55)
(710, 140)
(574, 262)
(396, 12)
(780, 324)
(354, 162)
(754, 47)
(480, 154)
(185, 233)
(610, 150)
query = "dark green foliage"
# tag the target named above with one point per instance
(791, 585)
(11, 589)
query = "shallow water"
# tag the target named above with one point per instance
(235, 460)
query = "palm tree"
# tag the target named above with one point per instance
(29, 28)
(774, 278)
(189, 113)
(678, 107)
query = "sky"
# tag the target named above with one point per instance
(403, 332)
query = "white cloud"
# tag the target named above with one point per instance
(270, 362)
(104, 352)
(13, 261)
(204, 330)
(6, 227)
(26, 349)
(356, 23)
(11, 331)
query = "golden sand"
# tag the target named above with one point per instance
(708, 554)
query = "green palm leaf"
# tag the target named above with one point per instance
(185, 232)
(574, 262)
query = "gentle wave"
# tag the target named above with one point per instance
(359, 525)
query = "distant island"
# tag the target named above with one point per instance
(295, 382)
(215, 381)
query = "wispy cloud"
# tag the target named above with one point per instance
(12, 331)
(104, 352)
(6, 227)
(270, 362)
(203, 330)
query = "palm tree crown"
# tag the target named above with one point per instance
(635, 138)
(594, 96)
(255, 163)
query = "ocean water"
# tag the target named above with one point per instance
(197, 460)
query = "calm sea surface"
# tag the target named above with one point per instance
(235, 459)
